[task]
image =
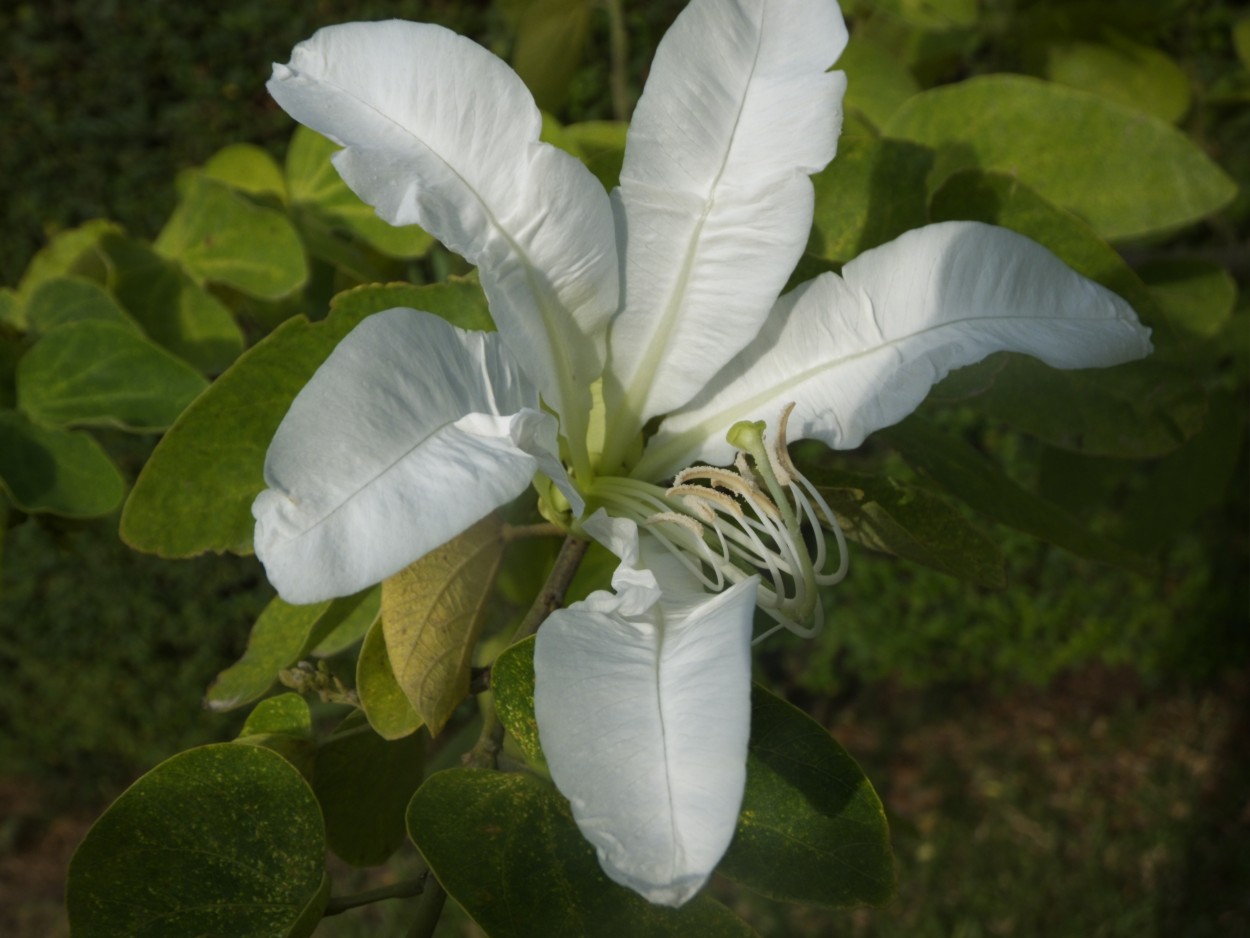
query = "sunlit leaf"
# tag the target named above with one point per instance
(1085, 153)
(877, 82)
(389, 712)
(601, 145)
(886, 515)
(364, 784)
(74, 252)
(247, 168)
(60, 300)
(432, 614)
(871, 193)
(1122, 71)
(812, 828)
(973, 478)
(56, 471)
(315, 185)
(195, 493)
(505, 847)
(220, 236)
(99, 373)
(220, 840)
(173, 310)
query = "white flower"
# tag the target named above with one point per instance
(667, 294)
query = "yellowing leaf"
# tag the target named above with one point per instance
(432, 613)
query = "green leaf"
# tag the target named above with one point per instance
(348, 622)
(96, 373)
(1140, 410)
(282, 724)
(1186, 484)
(432, 614)
(315, 185)
(60, 300)
(1122, 71)
(173, 310)
(364, 784)
(812, 828)
(77, 251)
(550, 38)
(220, 840)
(246, 168)
(506, 848)
(870, 194)
(512, 681)
(1241, 40)
(220, 236)
(601, 146)
(1125, 172)
(195, 493)
(933, 15)
(1196, 296)
(913, 523)
(389, 712)
(877, 81)
(282, 635)
(971, 477)
(1002, 199)
(12, 313)
(56, 471)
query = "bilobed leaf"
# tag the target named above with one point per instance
(220, 840)
(1122, 71)
(911, 523)
(812, 828)
(195, 493)
(173, 310)
(1147, 176)
(512, 681)
(432, 614)
(873, 192)
(389, 712)
(56, 471)
(315, 185)
(281, 636)
(60, 300)
(220, 236)
(364, 784)
(506, 848)
(74, 252)
(972, 478)
(98, 373)
(247, 168)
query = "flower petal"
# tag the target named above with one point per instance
(442, 134)
(411, 431)
(715, 204)
(644, 712)
(859, 352)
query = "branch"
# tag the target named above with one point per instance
(402, 890)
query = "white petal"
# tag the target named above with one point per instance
(715, 205)
(859, 352)
(644, 718)
(410, 432)
(441, 133)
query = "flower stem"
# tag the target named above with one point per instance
(519, 532)
(401, 890)
(485, 752)
(618, 52)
